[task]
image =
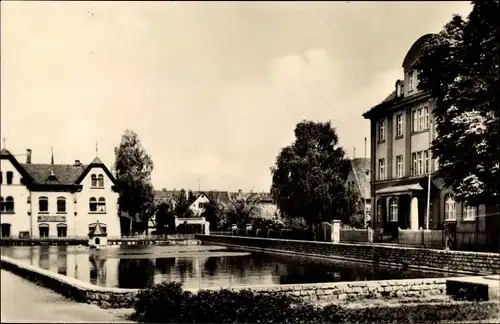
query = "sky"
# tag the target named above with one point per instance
(214, 90)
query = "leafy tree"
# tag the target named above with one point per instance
(460, 68)
(133, 172)
(308, 178)
(165, 218)
(181, 203)
(240, 210)
(213, 214)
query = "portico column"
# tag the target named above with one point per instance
(414, 214)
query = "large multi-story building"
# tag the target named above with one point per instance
(402, 128)
(55, 200)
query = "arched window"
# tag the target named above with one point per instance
(44, 230)
(43, 204)
(393, 205)
(449, 208)
(5, 230)
(100, 181)
(62, 230)
(93, 179)
(61, 204)
(93, 204)
(10, 176)
(9, 204)
(379, 210)
(101, 205)
(470, 212)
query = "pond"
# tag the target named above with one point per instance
(201, 266)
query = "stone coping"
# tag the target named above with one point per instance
(390, 246)
(110, 297)
(79, 284)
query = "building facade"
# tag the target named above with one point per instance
(403, 171)
(357, 185)
(56, 200)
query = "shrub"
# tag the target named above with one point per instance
(168, 303)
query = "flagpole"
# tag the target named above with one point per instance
(429, 177)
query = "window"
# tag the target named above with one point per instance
(9, 204)
(100, 181)
(393, 205)
(2, 205)
(61, 204)
(399, 125)
(426, 162)
(93, 204)
(420, 163)
(44, 230)
(93, 180)
(449, 208)
(414, 120)
(381, 169)
(101, 205)
(1, 177)
(379, 209)
(399, 166)
(411, 80)
(5, 230)
(470, 212)
(10, 175)
(420, 119)
(62, 230)
(426, 118)
(43, 204)
(381, 130)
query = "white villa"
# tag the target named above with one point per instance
(56, 200)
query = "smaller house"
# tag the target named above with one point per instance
(97, 235)
(197, 205)
(357, 185)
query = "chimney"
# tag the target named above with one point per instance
(78, 163)
(365, 148)
(28, 156)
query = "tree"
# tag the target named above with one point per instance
(240, 210)
(460, 68)
(165, 218)
(308, 177)
(181, 203)
(213, 214)
(133, 174)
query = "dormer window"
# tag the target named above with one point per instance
(400, 89)
(93, 180)
(411, 81)
(100, 180)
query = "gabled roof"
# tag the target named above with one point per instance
(97, 229)
(95, 163)
(359, 167)
(54, 175)
(65, 174)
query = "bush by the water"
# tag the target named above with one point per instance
(168, 303)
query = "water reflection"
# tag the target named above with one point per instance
(195, 267)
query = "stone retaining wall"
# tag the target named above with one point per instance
(320, 292)
(72, 288)
(388, 255)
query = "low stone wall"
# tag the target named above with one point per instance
(384, 255)
(72, 288)
(320, 292)
(354, 235)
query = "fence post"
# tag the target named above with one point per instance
(370, 235)
(336, 231)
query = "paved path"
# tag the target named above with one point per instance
(23, 301)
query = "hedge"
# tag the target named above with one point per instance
(168, 303)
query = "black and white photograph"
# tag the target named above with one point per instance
(250, 161)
